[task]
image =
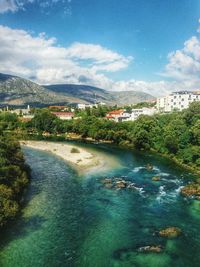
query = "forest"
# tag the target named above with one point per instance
(13, 175)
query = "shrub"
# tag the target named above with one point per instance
(75, 150)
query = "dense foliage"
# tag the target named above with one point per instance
(13, 177)
(176, 134)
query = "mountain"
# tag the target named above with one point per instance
(92, 94)
(17, 91)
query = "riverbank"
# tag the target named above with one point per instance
(81, 159)
(191, 168)
(124, 145)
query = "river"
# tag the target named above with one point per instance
(74, 221)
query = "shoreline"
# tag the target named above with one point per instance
(81, 159)
(191, 168)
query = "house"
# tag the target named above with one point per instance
(64, 115)
(114, 114)
(177, 101)
(21, 111)
(122, 115)
(84, 106)
(142, 111)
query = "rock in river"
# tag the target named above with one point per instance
(120, 184)
(170, 232)
(156, 178)
(153, 248)
(191, 190)
(149, 167)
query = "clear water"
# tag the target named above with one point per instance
(75, 222)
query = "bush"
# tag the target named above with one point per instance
(75, 150)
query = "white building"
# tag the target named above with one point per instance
(22, 111)
(64, 115)
(142, 111)
(121, 115)
(177, 101)
(84, 106)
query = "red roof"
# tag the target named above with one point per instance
(115, 112)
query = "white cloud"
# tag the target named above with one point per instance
(42, 60)
(184, 64)
(16, 5)
(8, 5)
(40, 57)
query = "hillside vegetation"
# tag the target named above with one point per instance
(13, 178)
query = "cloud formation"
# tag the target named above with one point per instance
(8, 5)
(16, 5)
(184, 64)
(42, 60)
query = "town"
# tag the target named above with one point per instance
(176, 101)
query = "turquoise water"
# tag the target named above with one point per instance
(75, 221)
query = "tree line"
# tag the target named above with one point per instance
(13, 177)
(176, 133)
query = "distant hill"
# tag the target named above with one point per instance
(91, 94)
(17, 91)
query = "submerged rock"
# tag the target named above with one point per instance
(170, 232)
(152, 248)
(149, 167)
(120, 184)
(106, 181)
(156, 178)
(191, 190)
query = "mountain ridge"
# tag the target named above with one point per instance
(17, 91)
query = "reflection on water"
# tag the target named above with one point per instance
(77, 221)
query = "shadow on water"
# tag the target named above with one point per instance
(20, 228)
(56, 214)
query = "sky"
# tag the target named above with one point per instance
(151, 46)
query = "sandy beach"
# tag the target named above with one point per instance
(81, 159)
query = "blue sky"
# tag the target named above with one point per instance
(147, 45)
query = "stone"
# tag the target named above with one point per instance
(170, 232)
(191, 190)
(109, 185)
(149, 167)
(156, 178)
(106, 181)
(120, 184)
(153, 248)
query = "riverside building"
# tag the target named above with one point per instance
(177, 101)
